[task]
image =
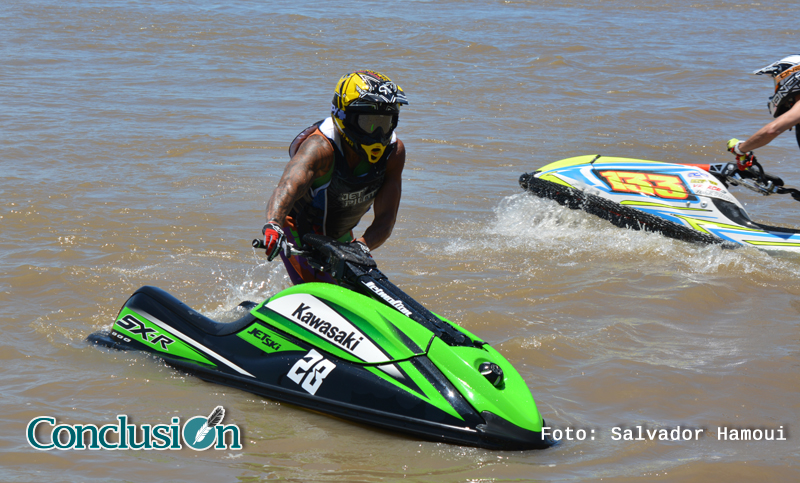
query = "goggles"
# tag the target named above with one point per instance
(369, 124)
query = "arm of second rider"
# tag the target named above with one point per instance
(772, 130)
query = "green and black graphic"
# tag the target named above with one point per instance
(362, 350)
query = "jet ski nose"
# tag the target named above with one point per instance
(492, 372)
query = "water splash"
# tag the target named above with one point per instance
(544, 230)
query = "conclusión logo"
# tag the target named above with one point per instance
(199, 433)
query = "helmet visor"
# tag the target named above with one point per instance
(376, 124)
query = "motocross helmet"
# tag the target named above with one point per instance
(365, 109)
(786, 74)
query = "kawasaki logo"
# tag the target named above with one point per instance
(326, 329)
(389, 300)
(312, 314)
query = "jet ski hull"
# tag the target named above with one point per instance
(394, 374)
(679, 201)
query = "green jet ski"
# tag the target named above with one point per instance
(363, 350)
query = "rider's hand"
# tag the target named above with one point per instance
(743, 159)
(733, 146)
(274, 240)
(363, 246)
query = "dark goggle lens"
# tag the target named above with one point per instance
(369, 123)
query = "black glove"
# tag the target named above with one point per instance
(363, 246)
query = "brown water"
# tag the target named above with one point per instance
(140, 141)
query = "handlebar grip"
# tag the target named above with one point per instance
(776, 180)
(259, 244)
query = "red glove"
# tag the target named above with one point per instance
(745, 160)
(274, 240)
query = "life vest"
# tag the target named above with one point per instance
(336, 202)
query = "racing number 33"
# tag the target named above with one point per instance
(310, 371)
(651, 184)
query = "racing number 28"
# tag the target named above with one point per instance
(651, 184)
(310, 371)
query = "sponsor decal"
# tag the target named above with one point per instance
(198, 433)
(139, 329)
(714, 192)
(357, 197)
(313, 315)
(650, 184)
(391, 301)
(267, 340)
(702, 181)
(163, 337)
(345, 340)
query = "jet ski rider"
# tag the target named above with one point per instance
(782, 105)
(339, 168)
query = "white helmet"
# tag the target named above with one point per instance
(786, 74)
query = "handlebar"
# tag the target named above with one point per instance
(759, 183)
(752, 177)
(354, 268)
(259, 244)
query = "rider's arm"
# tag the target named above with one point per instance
(312, 160)
(387, 201)
(766, 134)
